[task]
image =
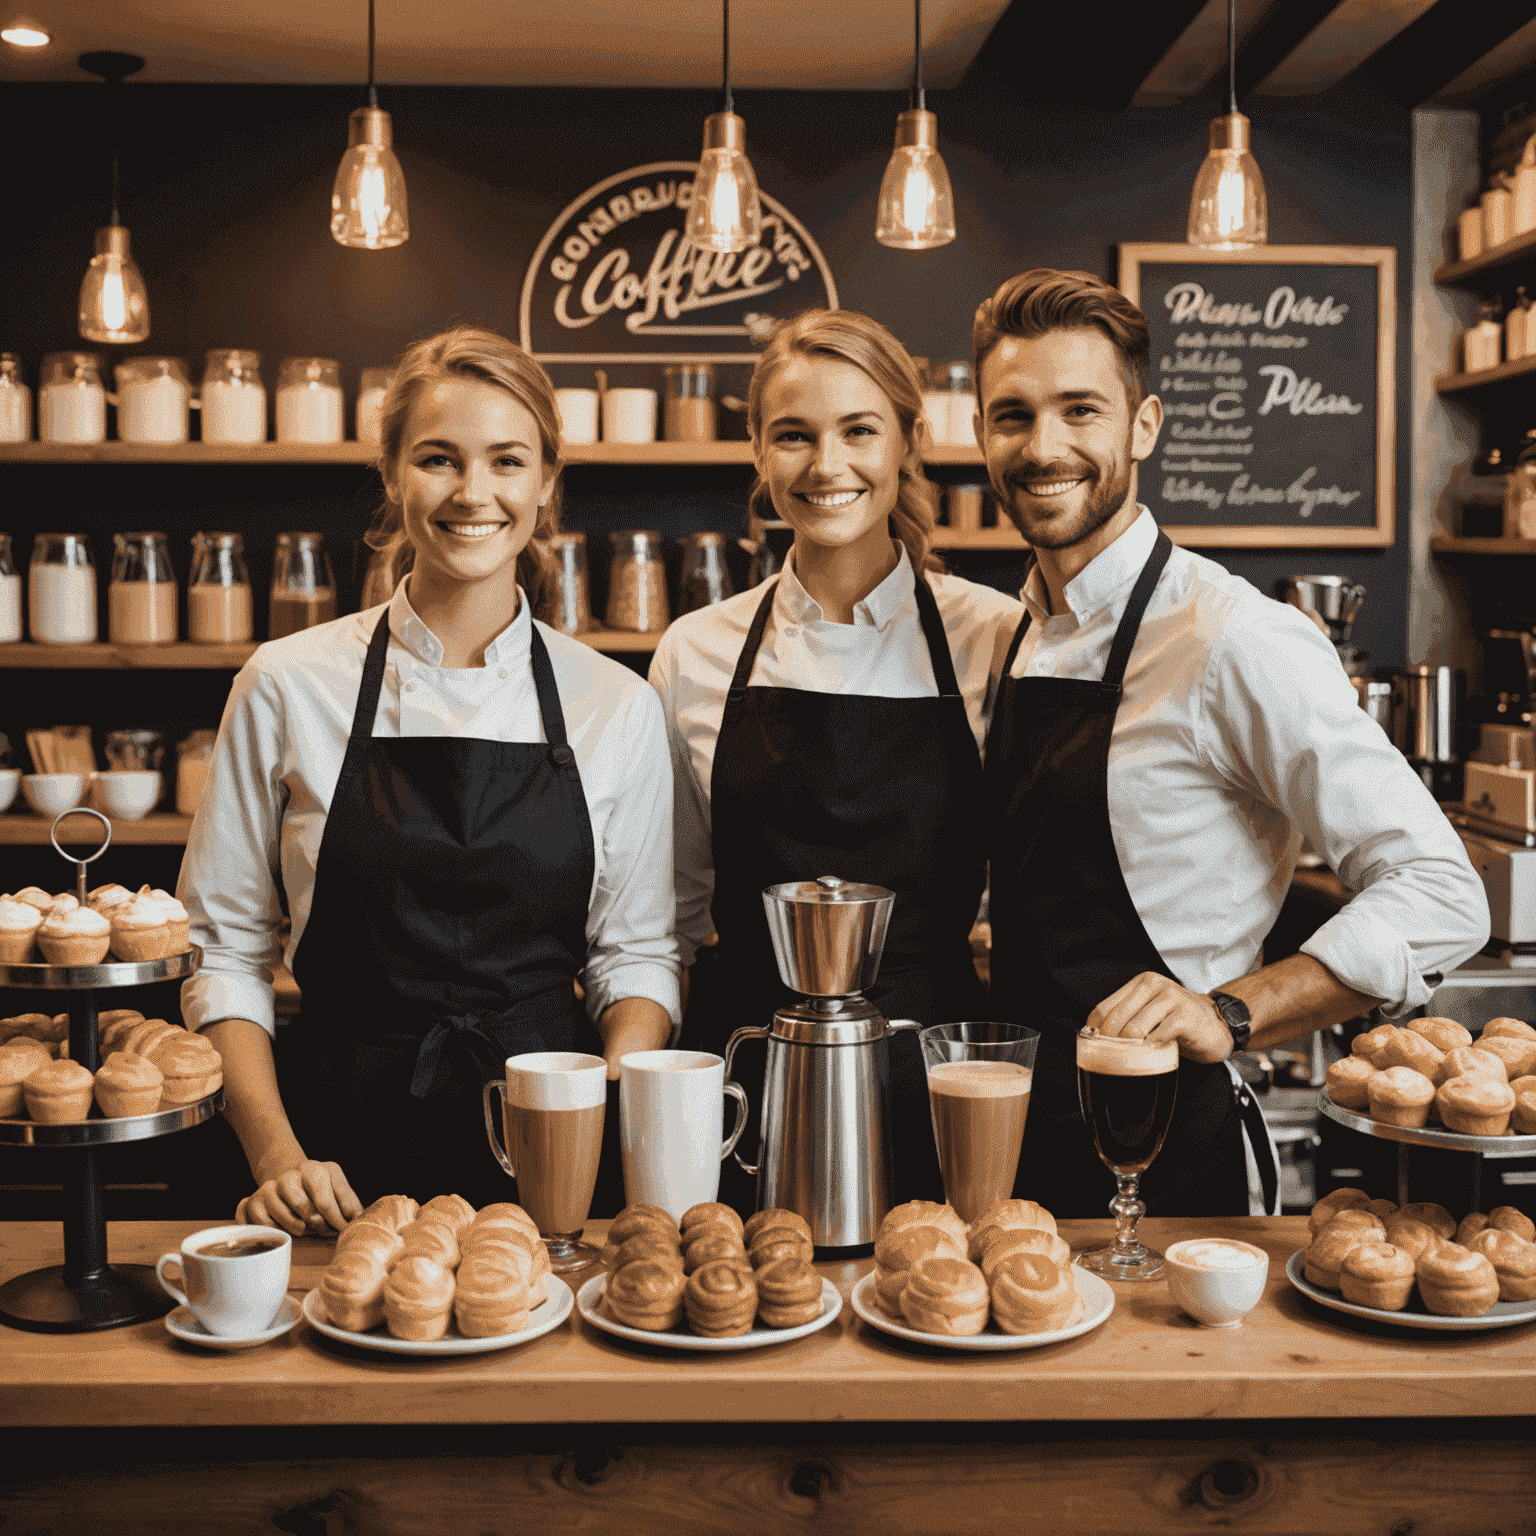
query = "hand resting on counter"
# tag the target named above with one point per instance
(304, 1199)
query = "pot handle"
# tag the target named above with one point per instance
(754, 1032)
(901, 1026)
(503, 1154)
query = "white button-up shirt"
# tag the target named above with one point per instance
(1238, 731)
(280, 748)
(881, 654)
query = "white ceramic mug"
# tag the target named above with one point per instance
(130, 793)
(578, 416)
(10, 782)
(51, 794)
(233, 1297)
(629, 416)
(669, 1127)
(1217, 1280)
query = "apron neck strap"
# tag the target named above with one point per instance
(367, 703)
(754, 639)
(550, 712)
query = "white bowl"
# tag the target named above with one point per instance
(1218, 1281)
(130, 793)
(51, 794)
(10, 782)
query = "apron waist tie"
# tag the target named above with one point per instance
(467, 1033)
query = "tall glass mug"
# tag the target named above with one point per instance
(979, 1078)
(552, 1106)
(1126, 1089)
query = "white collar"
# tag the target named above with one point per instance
(407, 626)
(876, 608)
(1105, 580)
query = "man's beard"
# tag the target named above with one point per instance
(1105, 498)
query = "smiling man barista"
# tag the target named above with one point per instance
(1162, 737)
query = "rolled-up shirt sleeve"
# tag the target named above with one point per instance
(230, 875)
(631, 948)
(1281, 720)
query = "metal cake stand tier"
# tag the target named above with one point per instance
(85, 1293)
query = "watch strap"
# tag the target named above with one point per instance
(1234, 1012)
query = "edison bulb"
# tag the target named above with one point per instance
(368, 207)
(917, 206)
(725, 213)
(114, 303)
(1228, 209)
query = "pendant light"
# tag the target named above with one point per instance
(114, 303)
(725, 213)
(1228, 209)
(368, 201)
(917, 208)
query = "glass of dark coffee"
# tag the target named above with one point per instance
(1125, 1089)
(979, 1078)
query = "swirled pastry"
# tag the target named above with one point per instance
(1435, 1217)
(113, 1027)
(1443, 1034)
(1371, 1043)
(1400, 1096)
(794, 1230)
(1478, 1104)
(896, 1251)
(773, 1216)
(720, 1299)
(1465, 1059)
(1358, 1218)
(780, 1243)
(430, 1237)
(1325, 1253)
(1341, 1199)
(1003, 1244)
(455, 1209)
(788, 1293)
(1033, 1293)
(1406, 1049)
(379, 1243)
(192, 1068)
(352, 1290)
(1454, 1282)
(505, 1210)
(709, 1212)
(126, 1084)
(633, 1220)
(1413, 1237)
(1347, 1078)
(418, 1299)
(1006, 1216)
(395, 1211)
(1513, 1259)
(1506, 1218)
(506, 1239)
(649, 1245)
(648, 1295)
(1518, 1056)
(1377, 1275)
(1511, 1029)
(714, 1242)
(924, 1213)
(1382, 1210)
(491, 1295)
(946, 1296)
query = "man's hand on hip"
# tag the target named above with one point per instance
(1153, 1007)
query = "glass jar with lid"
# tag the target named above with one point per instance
(71, 402)
(15, 401)
(637, 582)
(61, 589)
(141, 597)
(219, 608)
(573, 602)
(705, 578)
(154, 396)
(370, 404)
(234, 400)
(689, 413)
(309, 401)
(1520, 494)
(303, 587)
(949, 403)
(10, 594)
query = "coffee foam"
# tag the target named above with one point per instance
(669, 1061)
(980, 1079)
(557, 1080)
(1213, 1253)
(1115, 1056)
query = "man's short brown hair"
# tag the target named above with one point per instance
(1045, 299)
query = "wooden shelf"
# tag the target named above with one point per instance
(617, 640)
(182, 656)
(20, 827)
(1521, 251)
(1444, 544)
(1000, 538)
(1454, 383)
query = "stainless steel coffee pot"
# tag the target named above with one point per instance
(826, 1137)
(1332, 602)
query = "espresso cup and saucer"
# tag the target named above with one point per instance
(234, 1287)
(1218, 1281)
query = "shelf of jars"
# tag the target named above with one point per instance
(1494, 262)
(20, 828)
(1454, 383)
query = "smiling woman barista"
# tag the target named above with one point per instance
(831, 724)
(463, 809)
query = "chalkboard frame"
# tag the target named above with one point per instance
(1133, 256)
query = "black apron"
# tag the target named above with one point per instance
(879, 790)
(447, 926)
(1066, 934)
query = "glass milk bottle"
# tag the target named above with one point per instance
(234, 398)
(153, 398)
(141, 598)
(71, 404)
(15, 401)
(303, 588)
(309, 401)
(370, 404)
(219, 607)
(10, 594)
(573, 598)
(61, 590)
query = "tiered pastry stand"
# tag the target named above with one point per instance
(1512, 1144)
(85, 1293)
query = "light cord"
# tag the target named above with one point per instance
(115, 115)
(373, 95)
(1231, 56)
(725, 53)
(917, 52)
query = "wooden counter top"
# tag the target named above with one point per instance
(1147, 1362)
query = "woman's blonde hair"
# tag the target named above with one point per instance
(864, 342)
(465, 352)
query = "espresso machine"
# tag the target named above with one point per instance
(826, 1136)
(1333, 604)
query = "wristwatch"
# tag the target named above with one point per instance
(1234, 1011)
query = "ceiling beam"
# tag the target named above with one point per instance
(1276, 38)
(1447, 39)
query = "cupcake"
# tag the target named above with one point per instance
(25, 1045)
(128, 1085)
(192, 1068)
(176, 917)
(15, 1068)
(19, 922)
(57, 1093)
(35, 896)
(76, 937)
(105, 897)
(65, 901)
(140, 930)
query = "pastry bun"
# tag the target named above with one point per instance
(1347, 1078)
(1455, 1282)
(58, 1092)
(1003, 1245)
(1377, 1275)
(1517, 1055)
(788, 1293)
(418, 1299)
(1513, 1259)
(458, 1212)
(1510, 1029)
(925, 1213)
(714, 1242)
(1407, 1049)
(1506, 1218)
(1371, 1042)
(1032, 1293)
(647, 1295)
(379, 1243)
(1358, 1218)
(710, 1212)
(896, 1251)
(773, 1216)
(1443, 1034)
(395, 1211)
(1467, 1058)
(720, 1299)
(1523, 1116)
(491, 1295)
(1342, 1199)
(1478, 1104)
(1400, 1096)
(429, 1237)
(946, 1296)
(352, 1291)
(1435, 1217)
(648, 1245)
(127, 1084)
(1006, 1215)
(505, 1210)
(1326, 1252)
(1412, 1237)
(16, 1066)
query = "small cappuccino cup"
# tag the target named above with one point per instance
(235, 1277)
(1217, 1280)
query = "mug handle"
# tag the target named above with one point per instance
(497, 1086)
(165, 1285)
(737, 1092)
(753, 1032)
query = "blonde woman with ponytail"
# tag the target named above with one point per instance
(831, 722)
(460, 809)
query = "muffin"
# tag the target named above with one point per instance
(1401, 1096)
(1443, 1034)
(1347, 1078)
(58, 1093)
(1455, 1282)
(148, 1036)
(1467, 1058)
(192, 1068)
(1476, 1105)
(35, 896)
(1518, 1056)
(1377, 1275)
(19, 922)
(105, 897)
(1372, 1042)
(179, 923)
(1513, 1029)
(1407, 1049)
(126, 1084)
(15, 1068)
(74, 937)
(140, 930)
(1523, 1116)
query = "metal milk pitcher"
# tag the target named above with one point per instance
(826, 1138)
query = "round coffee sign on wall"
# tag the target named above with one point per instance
(615, 280)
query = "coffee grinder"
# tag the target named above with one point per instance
(826, 1137)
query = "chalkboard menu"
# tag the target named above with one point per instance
(1275, 370)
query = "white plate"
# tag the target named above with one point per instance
(590, 1301)
(549, 1314)
(1502, 1314)
(1098, 1303)
(183, 1323)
